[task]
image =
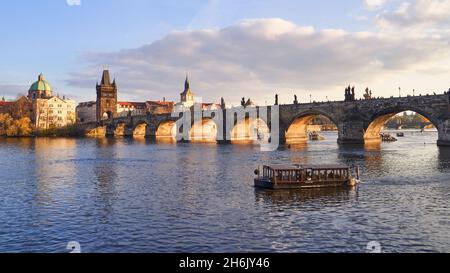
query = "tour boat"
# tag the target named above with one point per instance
(305, 176)
(400, 134)
(315, 136)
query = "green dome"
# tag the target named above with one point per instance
(41, 85)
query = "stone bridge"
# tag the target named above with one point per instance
(358, 121)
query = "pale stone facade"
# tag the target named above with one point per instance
(54, 113)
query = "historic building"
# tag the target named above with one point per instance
(106, 106)
(5, 106)
(187, 100)
(50, 111)
(131, 109)
(87, 112)
(40, 89)
(159, 107)
(54, 112)
(20, 108)
(106, 98)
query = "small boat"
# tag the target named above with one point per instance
(305, 176)
(387, 137)
(315, 136)
(400, 134)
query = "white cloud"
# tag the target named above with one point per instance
(73, 2)
(256, 57)
(417, 13)
(374, 4)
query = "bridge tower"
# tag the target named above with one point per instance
(106, 98)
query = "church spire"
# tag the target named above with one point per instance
(187, 84)
(187, 95)
(106, 80)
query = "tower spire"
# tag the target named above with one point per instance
(106, 80)
(187, 83)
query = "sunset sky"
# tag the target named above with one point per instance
(229, 48)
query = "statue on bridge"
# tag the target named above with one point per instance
(276, 99)
(350, 93)
(368, 94)
(247, 103)
(222, 104)
(295, 99)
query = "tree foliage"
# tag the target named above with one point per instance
(15, 127)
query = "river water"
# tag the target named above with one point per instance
(124, 195)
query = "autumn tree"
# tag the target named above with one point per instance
(12, 128)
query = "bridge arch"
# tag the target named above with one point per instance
(166, 130)
(297, 129)
(250, 130)
(204, 131)
(97, 131)
(120, 129)
(140, 130)
(377, 122)
(107, 115)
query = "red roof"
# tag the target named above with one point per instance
(134, 104)
(4, 103)
(167, 103)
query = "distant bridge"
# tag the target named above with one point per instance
(358, 121)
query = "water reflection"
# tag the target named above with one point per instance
(133, 195)
(53, 162)
(297, 197)
(104, 167)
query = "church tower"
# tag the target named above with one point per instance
(187, 97)
(106, 98)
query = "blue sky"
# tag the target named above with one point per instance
(53, 37)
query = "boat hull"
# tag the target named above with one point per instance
(267, 184)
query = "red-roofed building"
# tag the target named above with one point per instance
(22, 107)
(160, 107)
(5, 107)
(125, 108)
